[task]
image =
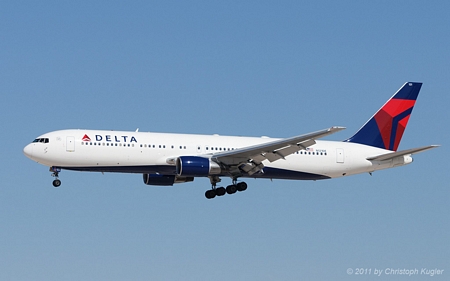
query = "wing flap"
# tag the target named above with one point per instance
(393, 155)
(271, 156)
(258, 158)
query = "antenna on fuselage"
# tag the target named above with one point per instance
(137, 130)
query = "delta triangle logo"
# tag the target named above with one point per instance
(86, 138)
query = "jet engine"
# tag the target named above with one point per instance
(194, 166)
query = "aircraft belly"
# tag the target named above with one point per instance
(293, 169)
(275, 173)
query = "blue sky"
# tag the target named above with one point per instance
(275, 68)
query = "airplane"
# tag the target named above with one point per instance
(165, 159)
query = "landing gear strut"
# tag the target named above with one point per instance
(220, 191)
(55, 174)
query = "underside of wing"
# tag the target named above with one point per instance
(249, 159)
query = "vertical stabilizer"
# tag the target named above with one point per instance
(385, 129)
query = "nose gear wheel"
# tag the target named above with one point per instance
(55, 174)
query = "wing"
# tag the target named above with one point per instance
(392, 155)
(249, 159)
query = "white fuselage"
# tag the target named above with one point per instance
(142, 152)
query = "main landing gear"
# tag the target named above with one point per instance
(55, 174)
(220, 191)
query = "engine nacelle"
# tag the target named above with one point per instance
(194, 166)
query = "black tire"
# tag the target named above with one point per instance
(220, 191)
(241, 186)
(210, 194)
(56, 183)
(231, 189)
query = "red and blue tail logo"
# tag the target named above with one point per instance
(385, 129)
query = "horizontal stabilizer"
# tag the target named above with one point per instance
(392, 155)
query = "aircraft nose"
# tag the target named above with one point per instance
(28, 150)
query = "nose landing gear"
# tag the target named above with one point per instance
(55, 174)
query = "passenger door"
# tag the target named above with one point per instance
(339, 155)
(70, 144)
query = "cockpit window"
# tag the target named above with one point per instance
(43, 140)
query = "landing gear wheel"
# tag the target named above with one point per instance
(231, 189)
(241, 186)
(210, 194)
(220, 191)
(55, 173)
(56, 183)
